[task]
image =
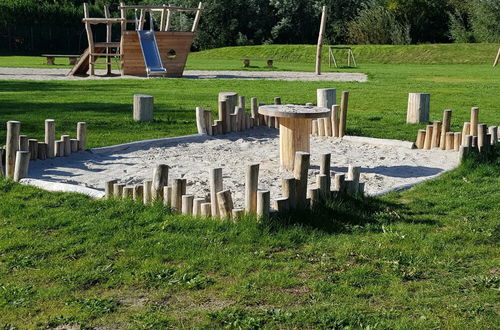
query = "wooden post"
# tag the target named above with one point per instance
(326, 98)
(282, 205)
(335, 120)
(67, 144)
(237, 213)
(123, 15)
(481, 137)
(169, 19)
(33, 148)
(90, 39)
(118, 190)
(445, 128)
(109, 188)
(167, 195)
(42, 150)
(277, 100)
(289, 190)
(128, 192)
(231, 99)
(497, 58)
(343, 113)
(436, 134)
(178, 189)
(251, 186)
(143, 107)
(206, 210)
(457, 141)
(493, 131)
(50, 137)
(255, 110)
(160, 180)
(241, 102)
(224, 117)
(207, 115)
(468, 141)
(12, 144)
(418, 108)
(146, 193)
(465, 131)
(353, 174)
(323, 184)
(240, 117)
(81, 135)
(421, 139)
(225, 203)
(263, 203)
(197, 17)
(21, 165)
(197, 202)
(200, 120)
(23, 143)
(187, 204)
(138, 193)
(474, 117)
(74, 145)
(108, 39)
(320, 40)
(321, 127)
(450, 137)
(428, 137)
(215, 187)
(313, 194)
(301, 167)
(314, 129)
(59, 147)
(339, 182)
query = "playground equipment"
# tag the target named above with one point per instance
(496, 58)
(141, 52)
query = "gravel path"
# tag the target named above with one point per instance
(385, 164)
(60, 74)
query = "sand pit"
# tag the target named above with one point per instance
(385, 164)
(60, 74)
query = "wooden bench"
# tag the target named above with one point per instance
(51, 58)
(246, 61)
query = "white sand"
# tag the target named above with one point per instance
(60, 74)
(386, 165)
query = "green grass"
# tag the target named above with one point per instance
(424, 258)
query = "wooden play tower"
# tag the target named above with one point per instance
(141, 52)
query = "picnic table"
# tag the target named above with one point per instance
(52, 57)
(246, 61)
(295, 128)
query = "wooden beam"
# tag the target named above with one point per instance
(320, 40)
(497, 58)
(197, 17)
(154, 8)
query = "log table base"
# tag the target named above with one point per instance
(295, 128)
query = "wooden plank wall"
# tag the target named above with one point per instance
(133, 61)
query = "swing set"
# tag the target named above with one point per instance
(140, 52)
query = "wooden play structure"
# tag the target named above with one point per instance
(141, 52)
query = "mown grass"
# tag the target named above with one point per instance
(423, 258)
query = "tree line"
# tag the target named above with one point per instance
(43, 25)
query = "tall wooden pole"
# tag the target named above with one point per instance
(497, 58)
(320, 41)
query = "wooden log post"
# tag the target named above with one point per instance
(143, 107)
(118, 190)
(33, 148)
(237, 213)
(255, 111)
(242, 102)
(21, 165)
(339, 183)
(215, 187)
(319, 46)
(436, 134)
(418, 108)
(187, 204)
(12, 144)
(231, 99)
(465, 131)
(42, 150)
(224, 117)
(233, 119)
(282, 205)
(200, 120)
(277, 100)
(353, 175)
(207, 115)
(335, 120)
(420, 143)
(289, 190)
(109, 188)
(197, 202)
(128, 192)
(344, 101)
(481, 137)
(445, 127)
(323, 184)
(321, 127)
(225, 202)
(263, 203)
(457, 141)
(160, 180)
(493, 131)
(206, 210)
(23, 143)
(314, 129)
(301, 167)
(178, 189)
(50, 137)
(324, 167)
(326, 98)
(59, 147)
(67, 144)
(468, 141)
(146, 193)
(240, 117)
(167, 195)
(314, 196)
(450, 138)
(474, 120)
(251, 187)
(81, 135)
(138, 193)
(74, 145)
(428, 137)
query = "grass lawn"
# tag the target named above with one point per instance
(423, 258)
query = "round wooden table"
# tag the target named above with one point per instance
(295, 128)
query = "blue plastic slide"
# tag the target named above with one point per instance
(152, 59)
